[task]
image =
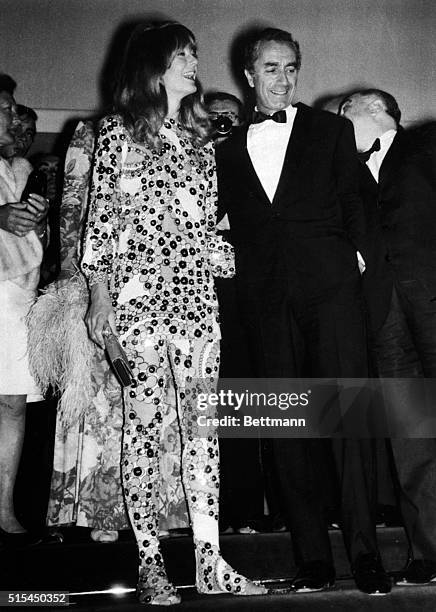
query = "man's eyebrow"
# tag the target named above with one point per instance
(276, 63)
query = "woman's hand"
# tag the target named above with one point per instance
(20, 218)
(100, 313)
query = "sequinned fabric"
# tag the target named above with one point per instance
(151, 233)
(151, 237)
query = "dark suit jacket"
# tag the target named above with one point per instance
(401, 220)
(308, 236)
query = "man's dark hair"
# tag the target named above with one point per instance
(389, 101)
(7, 83)
(223, 96)
(26, 111)
(269, 34)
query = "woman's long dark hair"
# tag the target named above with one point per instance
(140, 96)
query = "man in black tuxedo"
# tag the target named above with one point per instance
(398, 185)
(289, 184)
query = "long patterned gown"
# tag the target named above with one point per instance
(86, 483)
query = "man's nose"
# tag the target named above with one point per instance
(15, 120)
(282, 77)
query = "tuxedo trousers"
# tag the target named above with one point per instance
(241, 473)
(297, 334)
(405, 349)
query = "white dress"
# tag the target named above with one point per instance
(18, 284)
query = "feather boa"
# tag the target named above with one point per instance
(60, 353)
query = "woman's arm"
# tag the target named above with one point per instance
(101, 231)
(221, 253)
(77, 174)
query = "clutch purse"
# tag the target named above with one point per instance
(117, 358)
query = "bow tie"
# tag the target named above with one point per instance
(278, 117)
(365, 155)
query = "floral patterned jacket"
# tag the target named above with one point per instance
(77, 174)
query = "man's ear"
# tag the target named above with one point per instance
(376, 107)
(249, 77)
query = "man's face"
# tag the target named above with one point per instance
(8, 118)
(50, 165)
(226, 108)
(24, 135)
(356, 109)
(274, 76)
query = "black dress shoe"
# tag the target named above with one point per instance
(418, 571)
(370, 576)
(18, 540)
(314, 576)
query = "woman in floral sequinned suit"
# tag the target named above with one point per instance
(150, 254)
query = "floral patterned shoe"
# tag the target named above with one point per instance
(215, 576)
(154, 588)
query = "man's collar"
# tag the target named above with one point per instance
(291, 111)
(387, 137)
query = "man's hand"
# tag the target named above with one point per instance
(20, 218)
(100, 313)
(37, 205)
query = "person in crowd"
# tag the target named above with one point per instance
(26, 131)
(241, 499)
(50, 165)
(15, 153)
(398, 185)
(86, 482)
(150, 251)
(225, 112)
(388, 512)
(22, 237)
(289, 184)
(242, 473)
(8, 84)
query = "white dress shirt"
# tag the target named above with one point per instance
(266, 144)
(376, 159)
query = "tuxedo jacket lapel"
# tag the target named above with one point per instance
(388, 169)
(370, 184)
(294, 154)
(248, 173)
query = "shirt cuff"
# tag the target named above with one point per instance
(361, 262)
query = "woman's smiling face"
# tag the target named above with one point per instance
(179, 79)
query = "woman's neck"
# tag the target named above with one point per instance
(173, 108)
